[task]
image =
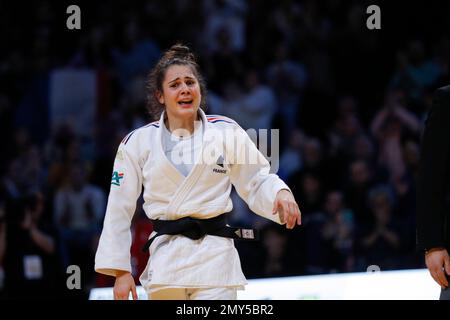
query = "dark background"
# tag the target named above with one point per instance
(349, 102)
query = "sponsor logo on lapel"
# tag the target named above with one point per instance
(116, 177)
(219, 163)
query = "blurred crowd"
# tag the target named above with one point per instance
(349, 103)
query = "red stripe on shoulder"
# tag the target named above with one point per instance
(212, 118)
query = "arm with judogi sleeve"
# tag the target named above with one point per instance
(113, 253)
(264, 192)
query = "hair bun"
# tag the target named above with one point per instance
(181, 51)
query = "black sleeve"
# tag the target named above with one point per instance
(433, 172)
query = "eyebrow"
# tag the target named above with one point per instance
(187, 77)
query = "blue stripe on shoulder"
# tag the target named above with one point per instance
(129, 136)
(214, 121)
(132, 132)
(153, 124)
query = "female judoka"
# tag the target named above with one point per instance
(186, 163)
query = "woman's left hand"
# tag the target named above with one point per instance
(287, 209)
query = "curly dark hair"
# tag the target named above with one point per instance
(178, 54)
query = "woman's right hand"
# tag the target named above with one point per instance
(123, 285)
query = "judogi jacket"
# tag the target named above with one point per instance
(228, 157)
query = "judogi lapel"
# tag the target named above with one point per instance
(185, 184)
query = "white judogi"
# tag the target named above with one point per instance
(177, 261)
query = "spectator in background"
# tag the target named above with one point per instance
(344, 136)
(363, 149)
(415, 71)
(33, 169)
(381, 242)
(57, 147)
(288, 78)
(388, 127)
(356, 190)
(21, 141)
(109, 134)
(229, 101)
(308, 187)
(78, 210)
(288, 16)
(225, 64)
(6, 129)
(61, 151)
(13, 184)
(313, 157)
(276, 260)
(227, 15)
(291, 158)
(135, 55)
(26, 168)
(346, 129)
(258, 105)
(330, 237)
(314, 160)
(30, 261)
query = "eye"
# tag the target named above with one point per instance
(174, 85)
(190, 82)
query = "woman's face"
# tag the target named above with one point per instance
(181, 92)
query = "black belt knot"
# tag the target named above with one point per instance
(196, 229)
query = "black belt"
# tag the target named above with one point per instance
(198, 228)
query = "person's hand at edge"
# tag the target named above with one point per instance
(437, 261)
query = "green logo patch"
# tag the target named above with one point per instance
(116, 177)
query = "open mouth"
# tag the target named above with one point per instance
(186, 103)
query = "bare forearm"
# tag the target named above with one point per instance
(376, 124)
(45, 242)
(408, 119)
(370, 240)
